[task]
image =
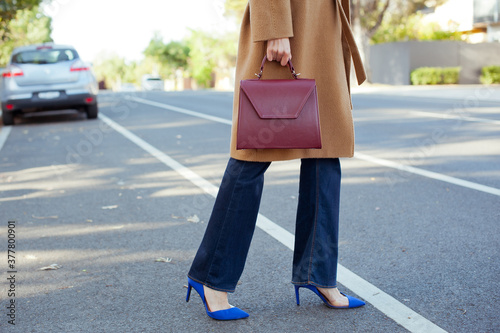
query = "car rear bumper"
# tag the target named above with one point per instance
(35, 103)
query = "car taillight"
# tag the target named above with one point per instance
(79, 66)
(13, 71)
(44, 47)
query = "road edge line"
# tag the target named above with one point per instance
(428, 174)
(4, 134)
(180, 110)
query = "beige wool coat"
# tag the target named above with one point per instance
(322, 48)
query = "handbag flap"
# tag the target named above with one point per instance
(278, 98)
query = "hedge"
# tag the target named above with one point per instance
(435, 75)
(490, 74)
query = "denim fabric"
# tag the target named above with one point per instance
(316, 230)
(221, 256)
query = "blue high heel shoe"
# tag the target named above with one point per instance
(353, 302)
(228, 314)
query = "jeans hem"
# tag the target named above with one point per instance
(211, 286)
(305, 283)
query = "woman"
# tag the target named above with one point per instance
(318, 33)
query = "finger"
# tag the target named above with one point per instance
(285, 55)
(270, 55)
(284, 61)
(272, 50)
(281, 56)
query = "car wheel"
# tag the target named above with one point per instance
(8, 118)
(91, 111)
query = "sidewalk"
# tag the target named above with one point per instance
(477, 92)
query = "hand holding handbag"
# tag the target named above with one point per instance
(278, 114)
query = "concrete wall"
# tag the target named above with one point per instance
(392, 63)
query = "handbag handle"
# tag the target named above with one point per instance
(292, 69)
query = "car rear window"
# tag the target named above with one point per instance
(44, 56)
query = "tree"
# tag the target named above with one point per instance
(201, 56)
(8, 12)
(169, 60)
(201, 61)
(176, 55)
(367, 16)
(170, 57)
(111, 69)
(29, 26)
(210, 55)
(413, 28)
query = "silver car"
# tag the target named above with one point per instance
(47, 77)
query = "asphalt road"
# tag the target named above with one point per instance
(94, 200)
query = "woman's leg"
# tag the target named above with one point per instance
(316, 234)
(220, 259)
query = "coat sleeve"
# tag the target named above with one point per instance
(270, 19)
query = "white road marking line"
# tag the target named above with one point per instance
(181, 110)
(4, 134)
(452, 116)
(387, 163)
(391, 307)
(229, 122)
(428, 174)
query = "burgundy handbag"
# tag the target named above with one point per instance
(278, 113)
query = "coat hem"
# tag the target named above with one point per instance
(284, 158)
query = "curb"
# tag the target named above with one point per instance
(483, 93)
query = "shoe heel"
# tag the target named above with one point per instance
(188, 292)
(297, 294)
(353, 302)
(228, 314)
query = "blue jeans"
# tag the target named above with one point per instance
(221, 257)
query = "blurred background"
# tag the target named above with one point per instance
(192, 44)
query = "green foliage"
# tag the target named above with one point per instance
(200, 55)
(413, 28)
(115, 70)
(391, 31)
(371, 14)
(155, 47)
(111, 69)
(490, 74)
(28, 27)
(445, 35)
(450, 75)
(176, 54)
(168, 57)
(210, 54)
(8, 12)
(432, 31)
(435, 75)
(201, 61)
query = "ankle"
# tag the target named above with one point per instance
(216, 300)
(334, 296)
